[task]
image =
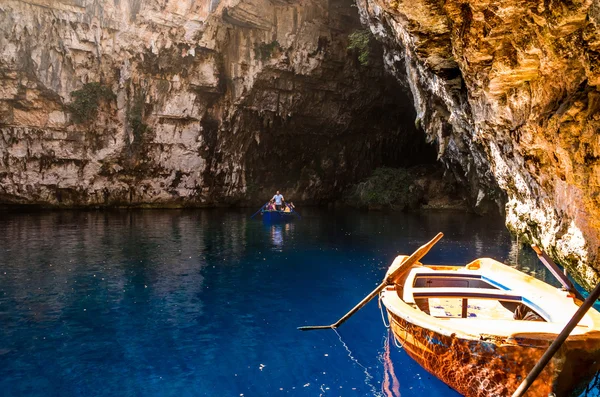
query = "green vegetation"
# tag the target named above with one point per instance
(393, 188)
(264, 51)
(252, 188)
(359, 41)
(84, 106)
(135, 117)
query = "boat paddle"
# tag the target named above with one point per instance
(560, 339)
(260, 209)
(560, 276)
(391, 278)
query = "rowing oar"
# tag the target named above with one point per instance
(560, 339)
(560, 276)
(260, 209)
(418, 254)
(294, 211)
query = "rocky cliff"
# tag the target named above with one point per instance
(509, 90)
(192, 102)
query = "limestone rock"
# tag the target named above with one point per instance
(509, 91)
(190, 102)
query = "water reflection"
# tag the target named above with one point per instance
(390, 386)
(105, 253)
(279, 233)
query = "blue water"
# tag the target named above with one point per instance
(206, 302)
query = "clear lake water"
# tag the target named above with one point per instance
(206, 302)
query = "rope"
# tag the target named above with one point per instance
(381, 311)
(397, 342)
(398, 345)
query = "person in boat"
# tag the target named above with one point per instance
(524, 313)
(287, 208)
(278, 199)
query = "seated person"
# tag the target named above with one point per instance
(287, 208)
(524, 313)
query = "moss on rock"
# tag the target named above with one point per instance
(264, 51)
(86, 100)
(393, 188)
(359, 41)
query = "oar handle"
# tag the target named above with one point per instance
(560, 276)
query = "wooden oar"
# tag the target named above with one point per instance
(294, 211)
(411, 260)
(560, 276)
(260, 209)
(560, 339)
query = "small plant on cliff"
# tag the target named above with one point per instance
(263, 51)
(84, 106)
(359, 41)
(386, 188)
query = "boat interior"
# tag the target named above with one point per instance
(457, 294)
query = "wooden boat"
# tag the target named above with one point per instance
(276, 216)
(482, 327)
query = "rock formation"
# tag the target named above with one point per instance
(191, 102)
(509, 91)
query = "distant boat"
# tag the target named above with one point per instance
(480, 328)
(273, 215)
(276, 216)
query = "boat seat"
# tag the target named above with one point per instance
(410, 281)
(454, 292)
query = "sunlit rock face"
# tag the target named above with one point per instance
(204, 103)
(509, 91)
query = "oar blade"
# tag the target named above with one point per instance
(311, 327)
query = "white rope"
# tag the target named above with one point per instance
(397, 343)
(381, 311)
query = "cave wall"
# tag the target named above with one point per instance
(509, 90)
(208, 102)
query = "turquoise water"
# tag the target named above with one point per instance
(206, 302)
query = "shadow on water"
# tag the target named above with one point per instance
(206, 302)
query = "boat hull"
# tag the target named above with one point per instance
(494, 367)
(277, 216)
